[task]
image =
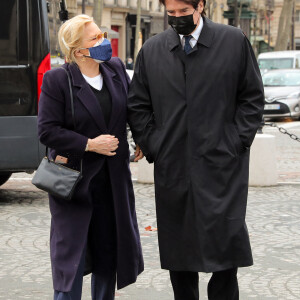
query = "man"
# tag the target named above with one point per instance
(195, 103)
(129, 63)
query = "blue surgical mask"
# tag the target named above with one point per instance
(101, 51)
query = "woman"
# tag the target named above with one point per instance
(97, 231)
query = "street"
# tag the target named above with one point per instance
(272, 218)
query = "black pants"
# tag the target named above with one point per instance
(222, 285)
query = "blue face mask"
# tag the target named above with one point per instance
(101, 51)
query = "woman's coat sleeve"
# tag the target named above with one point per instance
(51, 119)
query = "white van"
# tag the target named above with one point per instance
(279, 60)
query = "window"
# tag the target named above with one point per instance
(265, 27)
(275, 63)
(281, 79)
(8, 33)
(297, 16)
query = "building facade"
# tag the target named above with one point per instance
(259, 19)
(215, 10)
(119, 20)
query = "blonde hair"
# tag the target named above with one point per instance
(70, 35)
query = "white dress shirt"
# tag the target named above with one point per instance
(195, 35)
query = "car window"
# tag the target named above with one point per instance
(275, 63)
(281, 79)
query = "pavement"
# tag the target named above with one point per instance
(272, 218)
(288, 152)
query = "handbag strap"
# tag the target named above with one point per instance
(72, 110)
(71, 97)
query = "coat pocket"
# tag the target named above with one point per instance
(150, 139)
(234, 139)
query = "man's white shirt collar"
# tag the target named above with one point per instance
(195, 35)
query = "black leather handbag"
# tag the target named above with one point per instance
(54, 178)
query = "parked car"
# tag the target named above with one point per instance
(57, 62)
(24, 58)
(282, 93)
(278, 60)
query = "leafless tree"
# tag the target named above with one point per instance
(97, 11)
(285, 26)
(210, 8)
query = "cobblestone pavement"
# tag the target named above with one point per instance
(273, 222)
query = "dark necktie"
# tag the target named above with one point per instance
(187, 46)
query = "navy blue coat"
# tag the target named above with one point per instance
(70, 220)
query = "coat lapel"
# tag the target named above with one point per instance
(207, 34)
(173, 39)
(87, 97)
(116, 90)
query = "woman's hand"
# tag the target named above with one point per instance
(138, 153)
(103, 144)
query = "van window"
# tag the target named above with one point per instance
(13, 33)
(275, 63)
(8, 33)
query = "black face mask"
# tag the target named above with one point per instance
(182, 25)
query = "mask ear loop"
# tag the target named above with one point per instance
(82, 53)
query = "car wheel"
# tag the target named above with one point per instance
(4, 177)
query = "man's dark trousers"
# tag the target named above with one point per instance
(222, 285)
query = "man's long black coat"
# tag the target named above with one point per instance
(196, 116)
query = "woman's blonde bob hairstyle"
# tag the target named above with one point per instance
(70, 36)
